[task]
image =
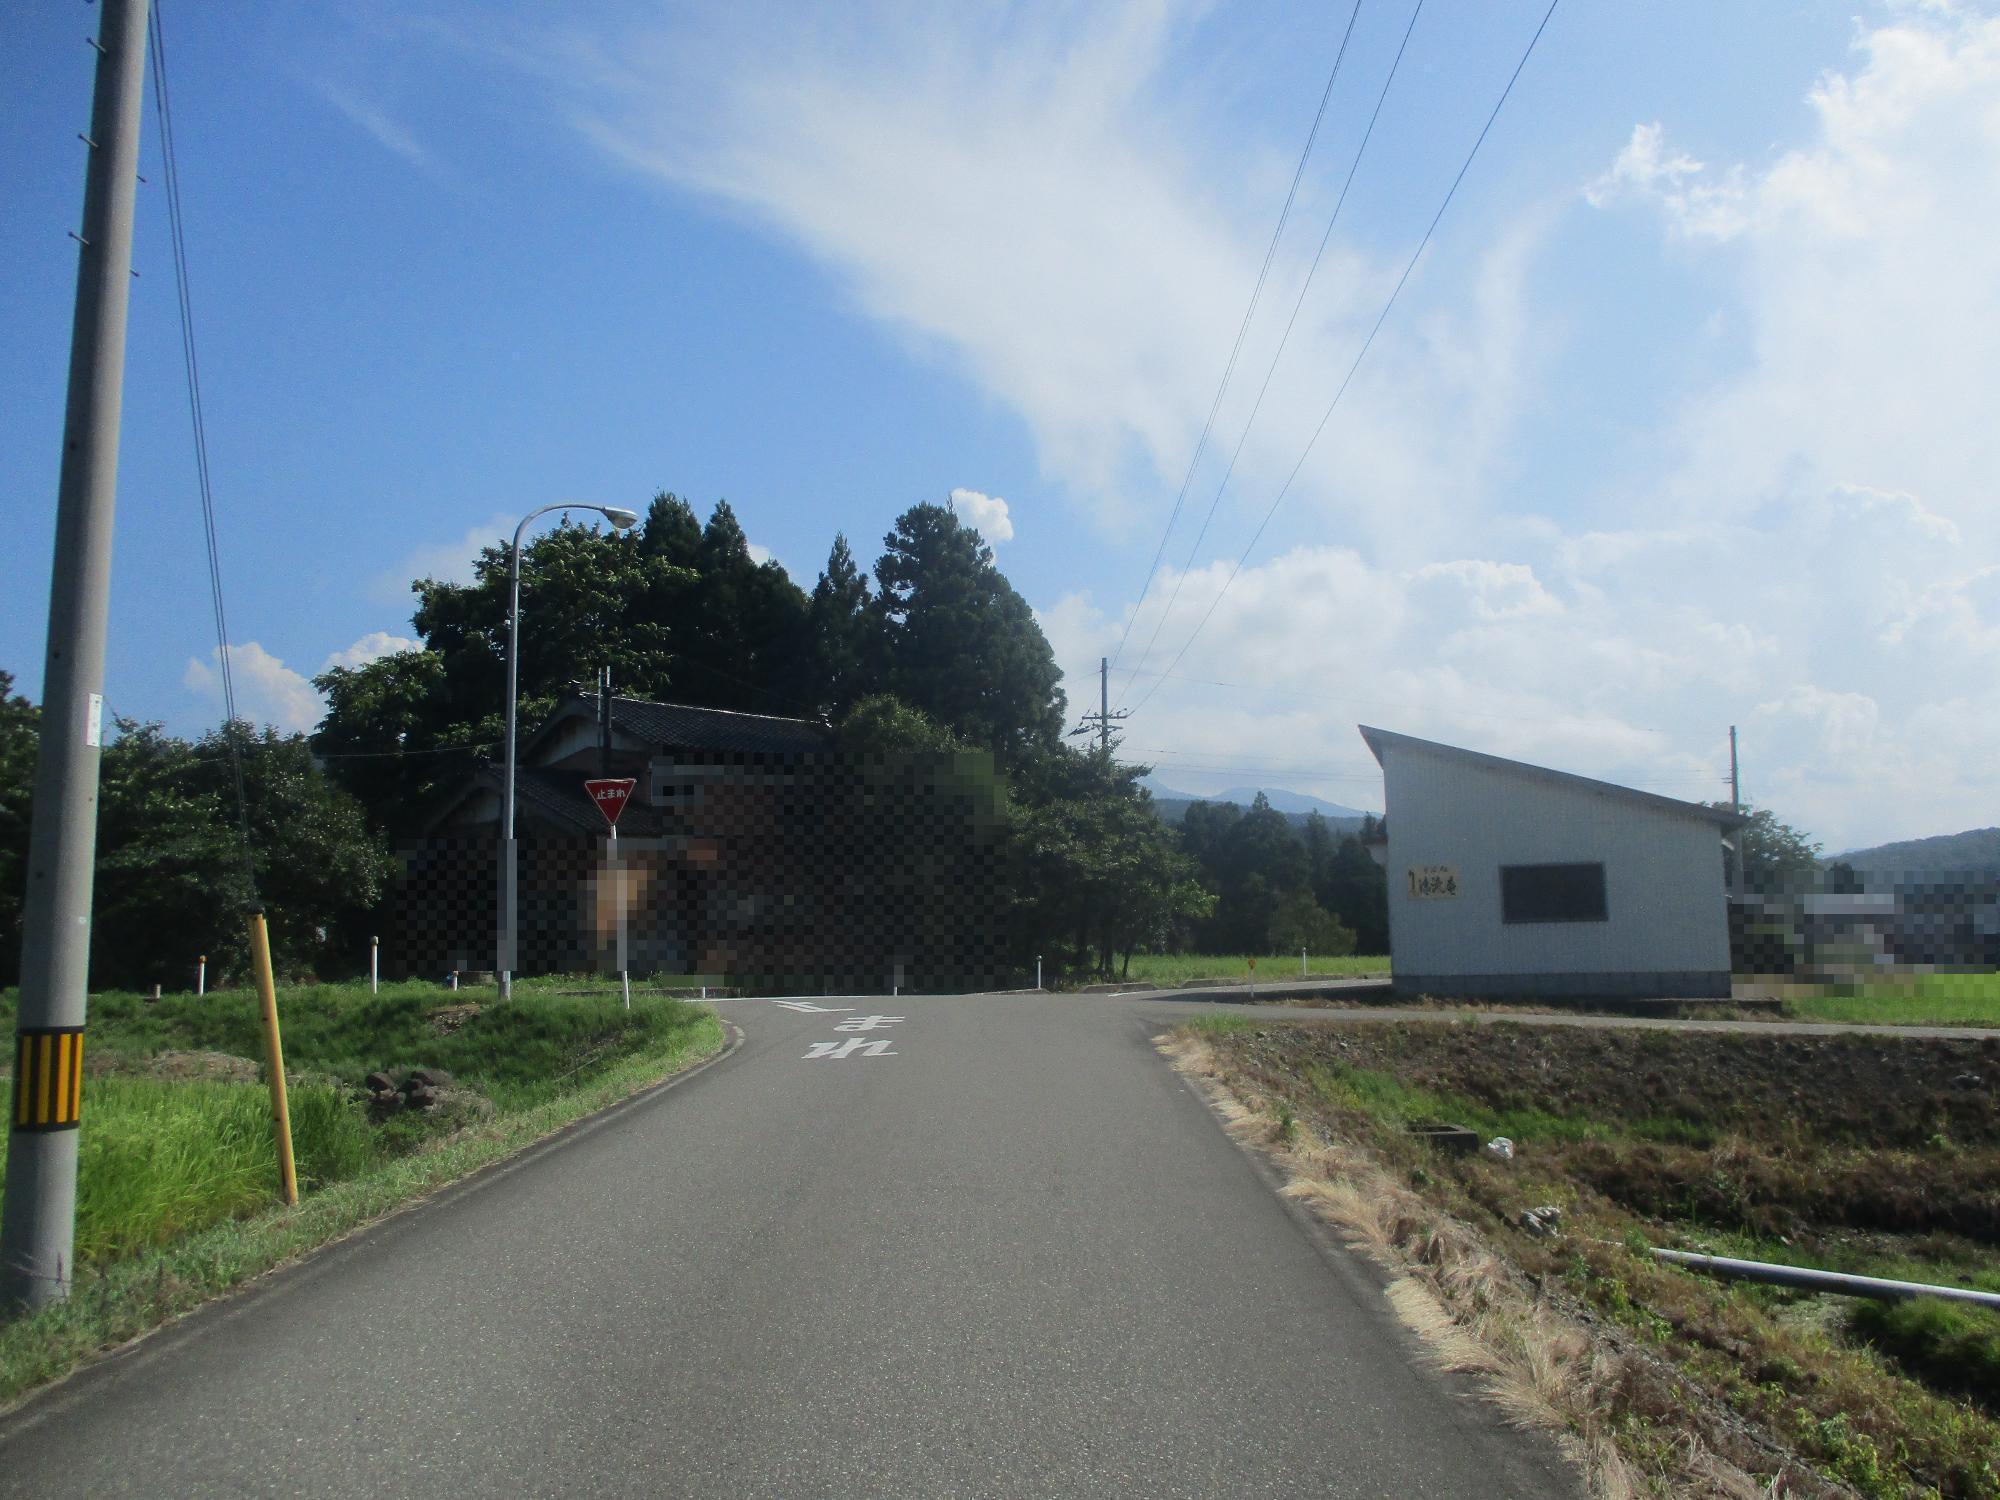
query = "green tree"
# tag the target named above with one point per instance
(959, 642)
(400, 730)
(20, 738)
(1096, 873)
(1299, 922)
(1776, 856)
(172, 882)
(881, 722)
(845, 630)
(1356, 891)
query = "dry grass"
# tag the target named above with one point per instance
(1631, 1426)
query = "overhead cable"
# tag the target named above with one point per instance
(1362, 354)
(1257, 292)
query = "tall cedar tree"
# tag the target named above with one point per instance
(846, 634)
(960, 643)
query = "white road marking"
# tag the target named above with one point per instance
(866, 1023)
(852, 1047)
(809, 1008)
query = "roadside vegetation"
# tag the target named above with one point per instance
(177, 1177)
(1179, 968)
(1838, 1152)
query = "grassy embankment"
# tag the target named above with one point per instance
(177, 1178)
(1834, 1151)
(1178, 968)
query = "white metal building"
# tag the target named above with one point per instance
(1512, 879)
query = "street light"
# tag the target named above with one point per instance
(621, 520)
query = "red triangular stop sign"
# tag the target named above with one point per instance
(610, 796)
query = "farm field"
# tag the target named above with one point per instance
(1838, 1152)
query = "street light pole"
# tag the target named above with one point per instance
(504, 959)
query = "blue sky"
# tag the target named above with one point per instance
(1683, 420)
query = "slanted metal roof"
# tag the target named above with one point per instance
(1380, 740)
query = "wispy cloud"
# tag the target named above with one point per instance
(377, 123)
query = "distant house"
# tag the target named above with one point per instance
(1512, 879)
(755, 850)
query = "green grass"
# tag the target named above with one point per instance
(1179, 968)
(163, 1158)
(515, 1054)
(1920, 1000)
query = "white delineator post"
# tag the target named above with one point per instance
(1302, 963)
(374, 965)
(201, 975)
(1038, 971)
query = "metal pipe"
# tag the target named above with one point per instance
(1839, 1282)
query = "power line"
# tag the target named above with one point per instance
(163, 109)
(1366, 344)
(1257, 292)
(1258, 405)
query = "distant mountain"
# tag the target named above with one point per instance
(1975, 849)
(1173, 805)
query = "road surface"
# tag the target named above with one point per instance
(934, 1246)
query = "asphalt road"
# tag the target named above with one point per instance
(993, 1248)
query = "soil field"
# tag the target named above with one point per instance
(1850, 1153)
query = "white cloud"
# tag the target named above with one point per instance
(371, 647)
(267, 691)
(446, 562)
(986, 514)
(1798, 537)
(1694, 205)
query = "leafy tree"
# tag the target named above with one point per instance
(1776, 856)
(1299, 922)
(171, 881)
(885, 723)
(171, 877)
(20, 737)
(959, 642)
(1096, 871)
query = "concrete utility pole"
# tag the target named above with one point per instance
(1104, 718)
(38, 1224)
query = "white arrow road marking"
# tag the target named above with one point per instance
(852, 1047)
(809, 1008)
(866, 1023)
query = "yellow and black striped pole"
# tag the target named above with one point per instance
(48, 1078)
